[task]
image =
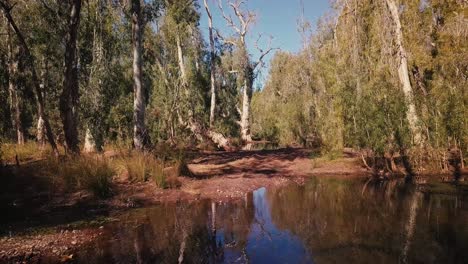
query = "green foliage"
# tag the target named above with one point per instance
(343, 89)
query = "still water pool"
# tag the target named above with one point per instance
(328, 220)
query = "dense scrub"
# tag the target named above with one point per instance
(343, 88)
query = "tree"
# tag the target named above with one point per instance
(13, 82)
(30, 59)
(244, 67)
(70, 94)
(212, 64)
(140, 135)
(403, 74)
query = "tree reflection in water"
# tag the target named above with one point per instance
(330, 220)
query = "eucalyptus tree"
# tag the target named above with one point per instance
(142, 12)
(69, 98)
(244, 67)
(403, 73)
(212, 63)
(7, 9)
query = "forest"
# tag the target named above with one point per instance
(126, 103)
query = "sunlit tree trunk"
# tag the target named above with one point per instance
(180, 56)
(139, 130)
(246, 102)
(70, 93)
(30, 61)
(89, 144)
(192, 124)
(403, 72)
(212, 65)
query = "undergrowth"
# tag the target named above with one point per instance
(91, 173)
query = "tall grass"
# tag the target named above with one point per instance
(92, 173)
(141, 167)
(26, 152)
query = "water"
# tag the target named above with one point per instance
(325, 221)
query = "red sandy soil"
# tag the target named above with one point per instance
(217, 175)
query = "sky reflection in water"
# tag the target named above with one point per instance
(325, 221)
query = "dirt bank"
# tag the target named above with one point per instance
(32, 204)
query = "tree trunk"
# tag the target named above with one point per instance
(403, 74)
(180, 57)
(70, 93)
(90, 143)
(39, 99)
(139, 130)
(40, 133)
(192, 124)
(212, 65)
(15, 104)
(246, 100)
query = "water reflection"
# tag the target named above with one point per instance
(325, 221)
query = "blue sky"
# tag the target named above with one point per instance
(277, 18)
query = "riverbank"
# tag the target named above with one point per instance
(44, 223)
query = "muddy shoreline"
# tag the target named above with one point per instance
(48, 229)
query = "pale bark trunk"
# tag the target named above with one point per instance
(90, 143)
(245, 118)
(41, 139)
(403, 74)
(193, 125)
(212, 65)
(180, 55)
(70, 94)
(37, 89)
(40, 134)
(139, 130)
(15, 108)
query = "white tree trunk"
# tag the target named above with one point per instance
(41, 139)
(212, 64)
(245, 117)
(192, 124)
(139, 130)
(180, 55)
(403, 74)
(89, 144)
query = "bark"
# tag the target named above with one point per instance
(246, 101)
(196, 128)
(37, 89)
(40, 136)
(180, 56)
(403, 74)
(41, 139)
(212, 65)
(15, 105)
(70, 93)
(90, 144)
(139, 129)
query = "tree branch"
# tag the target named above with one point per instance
(228, 18)
(263, 52)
